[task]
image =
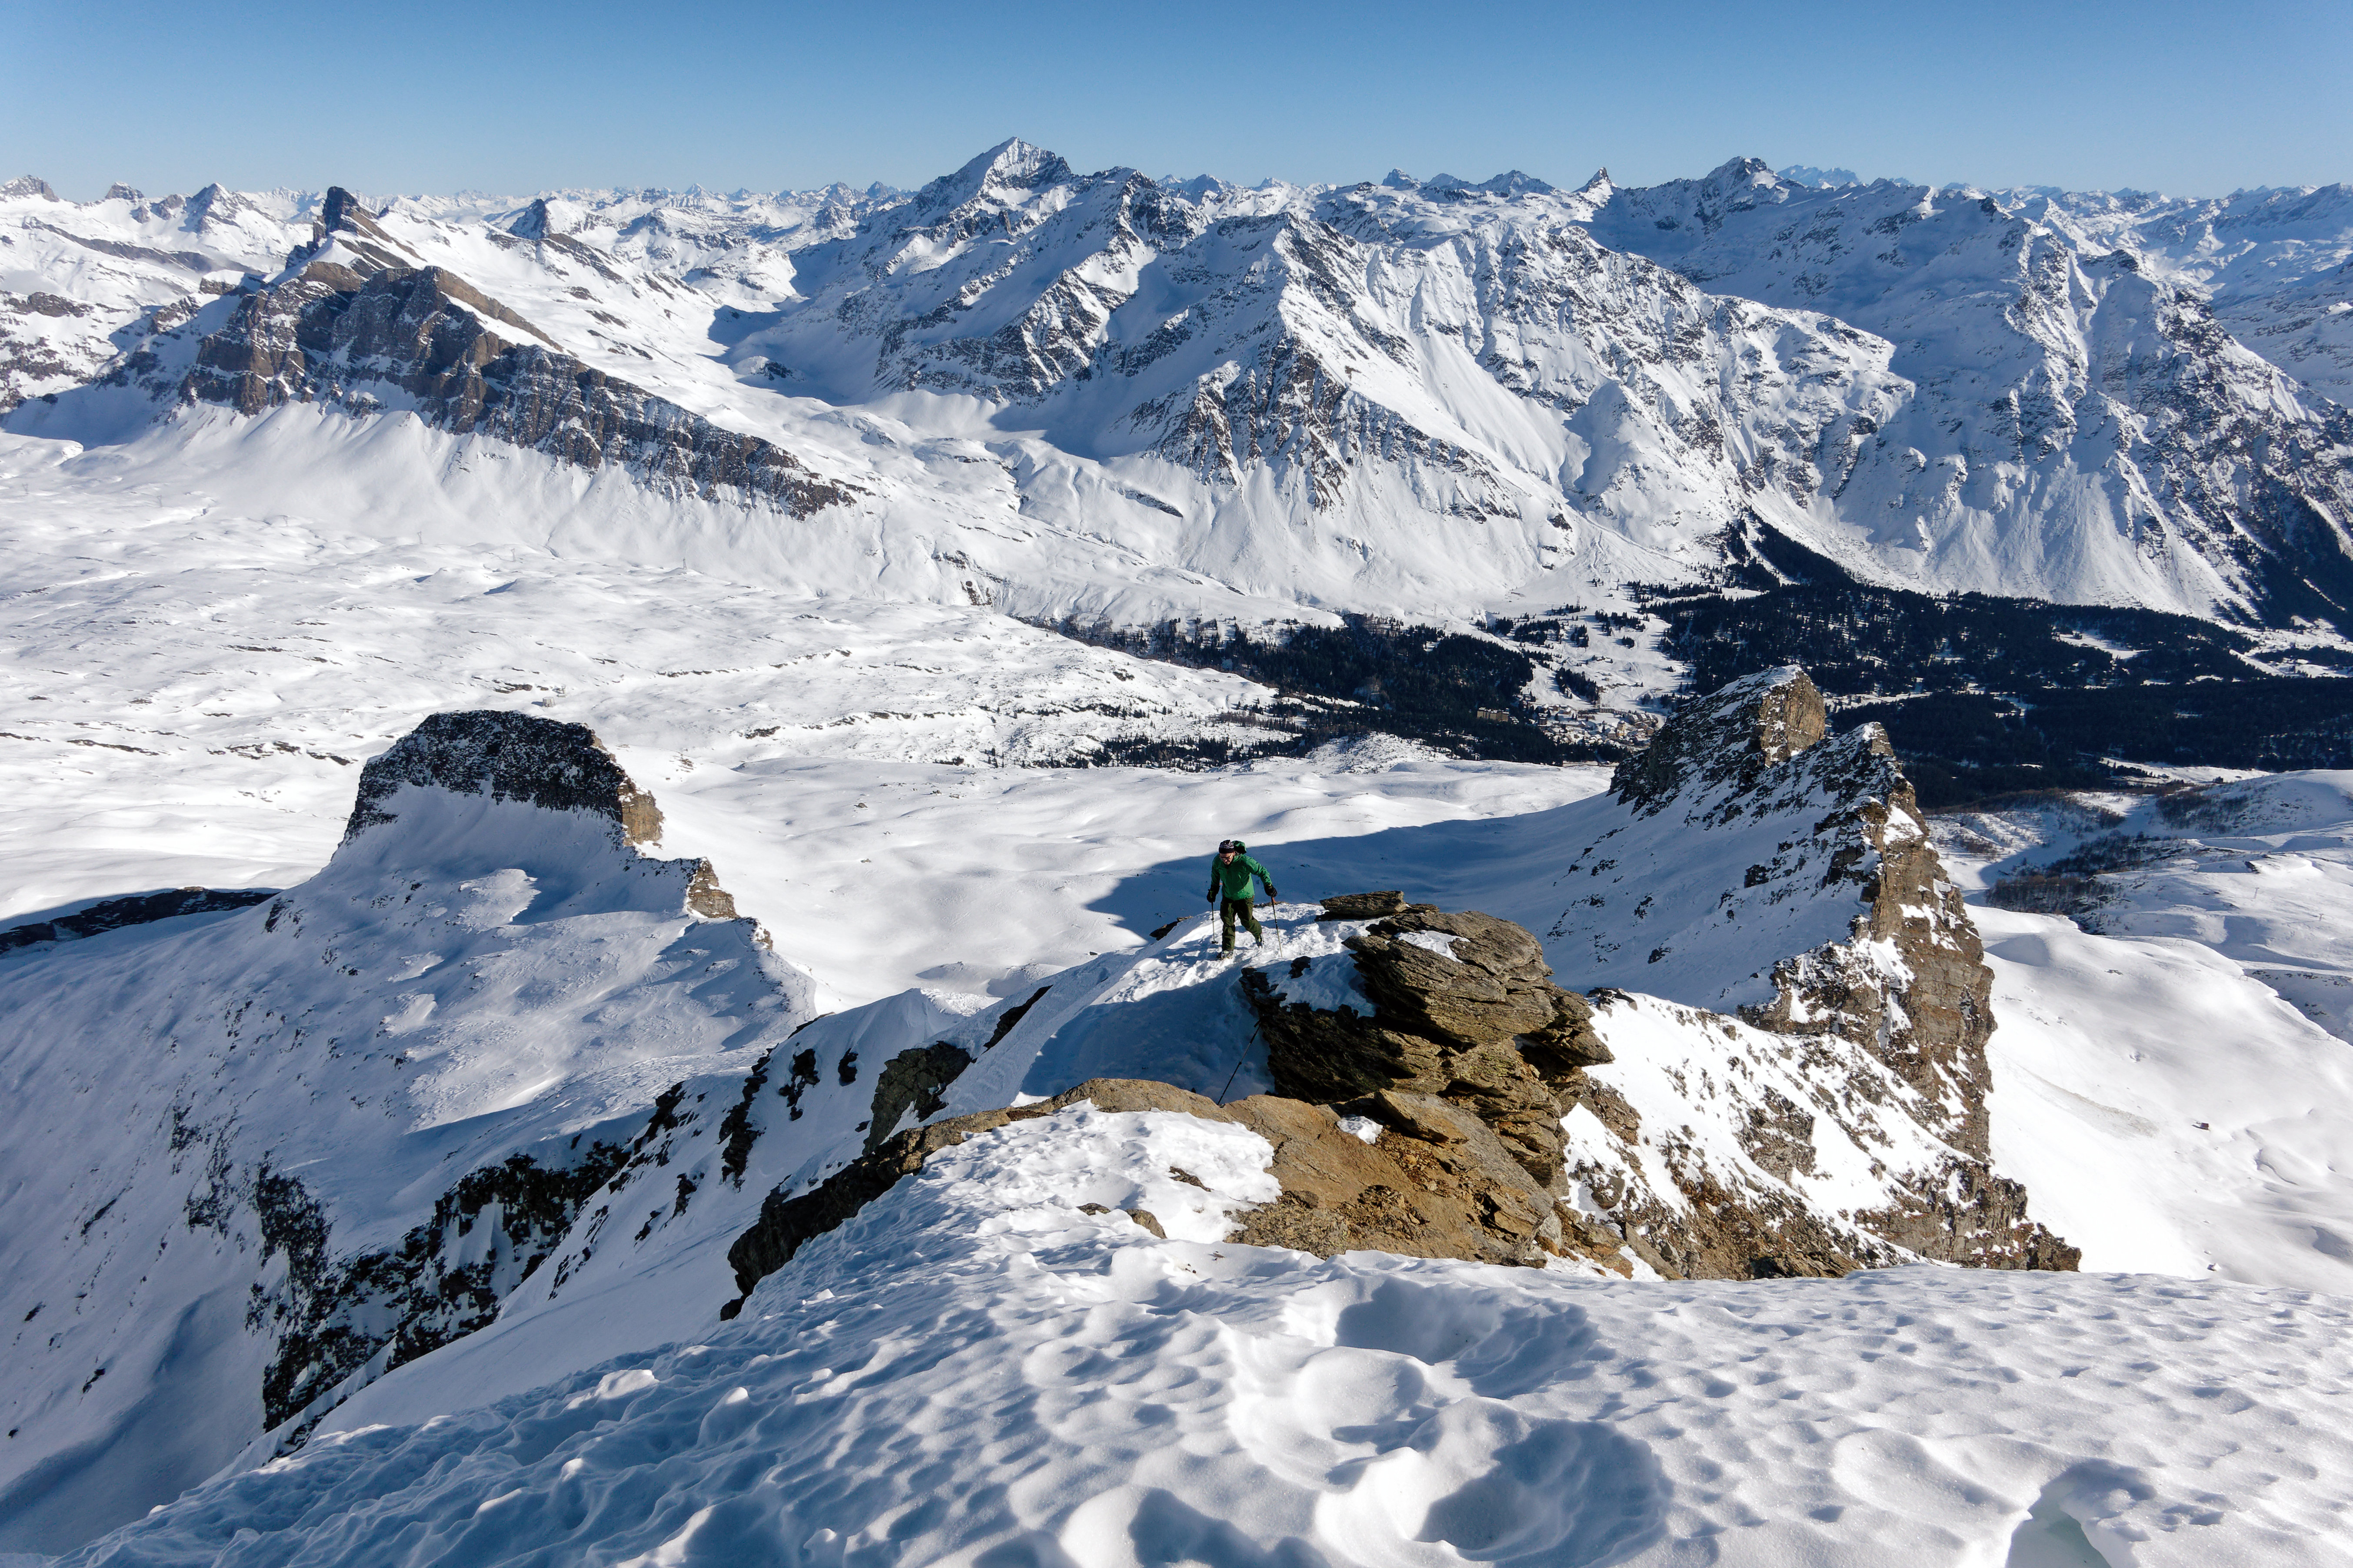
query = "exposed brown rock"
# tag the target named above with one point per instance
(1964, 1214)
(1930, 1018)
(1724, 744)
(1482, 1027)
(1903, 980)
(1361, 906)
(704, 896)
(1436, 1184)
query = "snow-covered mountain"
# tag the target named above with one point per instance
(461, 1170)
(333, 1130)
(440, 1150)
(2077, 428)
(1104, 394)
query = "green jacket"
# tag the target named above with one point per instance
(1232, 879)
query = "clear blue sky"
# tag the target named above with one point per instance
(429, 94)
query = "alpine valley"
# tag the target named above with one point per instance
(604, 956)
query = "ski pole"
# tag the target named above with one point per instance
(1237, 1064)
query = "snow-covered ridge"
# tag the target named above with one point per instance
(1708, 1144)
(416, 1100)
(978, 1367)
(331, 1132)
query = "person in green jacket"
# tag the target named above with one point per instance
(1229, 888)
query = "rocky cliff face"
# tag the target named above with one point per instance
(1778, 883)
(1835, 845)
(358, 321)
(508, 757)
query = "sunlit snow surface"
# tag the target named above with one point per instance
(2176, 1091)
(187, 687)
(190, 680)
(974, 1371)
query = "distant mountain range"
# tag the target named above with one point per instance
(1106, 394)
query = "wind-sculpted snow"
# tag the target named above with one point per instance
(976, 1369)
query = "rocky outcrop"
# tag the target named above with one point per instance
(1432, 1180)
(1464, 1012)
(1718, 1150)
(507, 756)
(1771, 872)
(335, 1318)
(113, 914)
(912, 1081)
(1768, 870)
(357, 314)
(531, 761)
(1762, 867)
(1433, 1133)
(1725, 743)
(1415, 1176)
(1909, 982)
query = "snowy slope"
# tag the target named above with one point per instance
(1424, 397)
(2173, 1078)
(653, 1268)
(975, 1370)
(477, 986)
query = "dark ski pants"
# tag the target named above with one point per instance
(1230, 910)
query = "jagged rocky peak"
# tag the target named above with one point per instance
(1728, 739)
(359, 240)
(29, 185)
(535, 222)
(1779, 884)
(507, 756)
(1011, 166)
(1761, 867)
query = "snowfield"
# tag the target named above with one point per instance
(974, 1371)
(2175, 1085)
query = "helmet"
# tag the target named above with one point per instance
(1233, 843)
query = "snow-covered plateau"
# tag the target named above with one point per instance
(604, 956)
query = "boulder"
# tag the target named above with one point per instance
(1361, 906)
(1465, 1011)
